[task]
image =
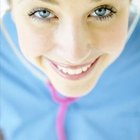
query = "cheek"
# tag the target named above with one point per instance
(114, 40)
(111, 40)
(32, 43)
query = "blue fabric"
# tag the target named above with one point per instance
(110, 112)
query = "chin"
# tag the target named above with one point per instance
(73, 91)
(74, 94)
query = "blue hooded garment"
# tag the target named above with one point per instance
(111, 111)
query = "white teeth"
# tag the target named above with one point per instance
(59, 67)
(72, 71)
(84, 69)
(78, 71)
(64, 70)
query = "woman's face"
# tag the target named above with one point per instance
(71, 41)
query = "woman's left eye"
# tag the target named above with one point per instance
(102, 13)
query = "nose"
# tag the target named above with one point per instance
(73, 42)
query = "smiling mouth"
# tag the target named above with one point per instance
(73, 72)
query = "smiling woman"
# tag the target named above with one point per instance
(88, 53)
(68, 57)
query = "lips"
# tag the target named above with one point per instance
(73, 72)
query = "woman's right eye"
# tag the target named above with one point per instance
(42, 14)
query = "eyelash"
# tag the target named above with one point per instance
(34, 11)
(112, 10)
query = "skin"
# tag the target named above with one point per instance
(72, 36)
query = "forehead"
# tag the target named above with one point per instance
(57, 1)
(79, 3)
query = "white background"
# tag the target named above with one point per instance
(3, 5)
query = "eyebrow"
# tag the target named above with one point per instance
(50, 1)
(47, 1)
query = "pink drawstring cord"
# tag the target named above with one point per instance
(64, 103)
